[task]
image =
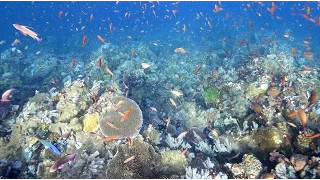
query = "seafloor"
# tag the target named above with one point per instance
(137, 113)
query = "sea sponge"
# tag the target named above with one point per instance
(211, 95)
(130, 127)
(90, 122)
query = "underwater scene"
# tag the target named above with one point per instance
(159, 89)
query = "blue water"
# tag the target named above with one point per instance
(43, 17)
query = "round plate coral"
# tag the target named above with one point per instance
(124, 119)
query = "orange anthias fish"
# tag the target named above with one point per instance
(109, 71)
(251, 24)
(126, 114)
(110, 138)
(91, 17)
(294, 51)
(256, 107)
(180, 50)
(25, 31)
(293, 114)
(313, 136)
(101, 39)
(303, 117)
(95, 98)
(216, 8)
(174, 12)
(84, 41)
(227, 16)
(313, 98)
(100, 63)
(73, 63)
(111, 125)
(110, 27)
(283, 80)
(168, 122)
(244, 42)
(173, 103)
(197, 70)
(60, 14)
(184, 28)
(129, 159)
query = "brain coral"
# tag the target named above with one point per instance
(109, 121)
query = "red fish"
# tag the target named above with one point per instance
(251, 24)
(110, 27)
(59, 164)
(84, 41)
(100, 63)
(6, 95)
(60, 14)
(73, 63)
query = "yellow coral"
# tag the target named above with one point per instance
(90, 122)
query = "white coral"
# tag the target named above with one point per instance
(192, 173)
(218, 147)
(176, 143)
(208, 164)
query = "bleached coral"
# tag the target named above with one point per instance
(208, 164)
(175, 143)
(193, 173)
(86, 166)
(219, 146)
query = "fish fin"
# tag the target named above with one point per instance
(25, 34)
(29, 27)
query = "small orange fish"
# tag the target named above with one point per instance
(118, 105)
(283, 80)
(153, 109)
(197, 70)
(182, 134)
(294, 51)
(110, 138)
(111, 125)
(101, 39)
(293, 114)
(129, 159)
(168, 122)
(109, 71)
(177, 93)
(174, 12)
(227, 16)
(313, 136)
(313, 98)
(180, 50)
(60, 14)
(100, 63)
(303, 117)
(15, 42)
(126, 114)
(184, 151)
(132, 53)
(91, 17)
(251, 24)
(216, 8)
(173, 103)
(95, 98)
(308, 10)
(184, 28)
(308, 55)
(110, 27)
(84, 41)
(73, 63)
